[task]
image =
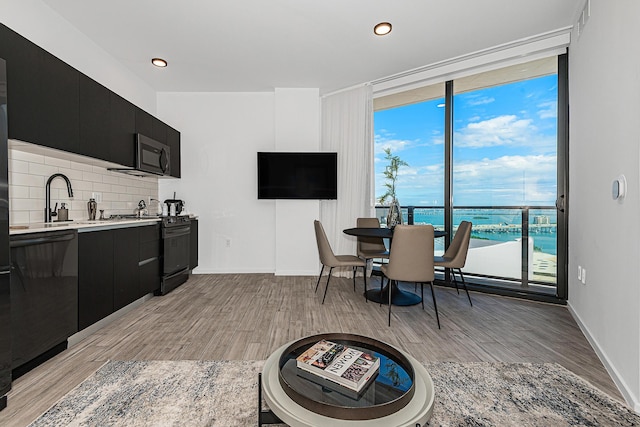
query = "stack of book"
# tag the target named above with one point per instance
(340, 364)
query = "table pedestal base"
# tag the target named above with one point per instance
(398, 296)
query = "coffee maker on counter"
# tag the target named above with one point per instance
(174, 206)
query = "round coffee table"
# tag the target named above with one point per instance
(401, 394)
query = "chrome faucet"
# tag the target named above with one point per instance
(48, 213)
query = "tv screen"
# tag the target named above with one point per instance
(297, 175)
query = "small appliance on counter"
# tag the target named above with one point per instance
(92, 209)
(174, 206)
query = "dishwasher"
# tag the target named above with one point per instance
(44, 296)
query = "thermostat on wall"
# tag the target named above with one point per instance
(619, 187)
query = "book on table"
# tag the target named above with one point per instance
(344, 365)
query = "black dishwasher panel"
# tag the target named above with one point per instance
(44, 294)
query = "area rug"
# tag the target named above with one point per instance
(224, 393)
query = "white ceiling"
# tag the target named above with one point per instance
(258, 45)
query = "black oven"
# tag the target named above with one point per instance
(152, 156)
(176, 232)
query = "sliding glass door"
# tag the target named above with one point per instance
(490, 150)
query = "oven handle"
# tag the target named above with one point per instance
(168, 233)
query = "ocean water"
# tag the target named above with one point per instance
(494, 224)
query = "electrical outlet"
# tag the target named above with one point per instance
(228, 242)
(584, 276)
(97, 196)
(579, 273)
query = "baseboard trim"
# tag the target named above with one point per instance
(89, 330)
(624, 389)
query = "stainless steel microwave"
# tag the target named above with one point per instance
(152, 156)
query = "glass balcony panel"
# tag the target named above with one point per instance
(543, 234)
(495, 248)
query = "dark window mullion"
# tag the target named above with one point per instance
(448, 161)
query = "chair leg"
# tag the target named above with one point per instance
(433, 295)
(354, 278)
(327, 287)
(382, 287)
(455, 282)
(421, 293)
(364, 271)
(389, 286)
(318, 283)
(465, 286)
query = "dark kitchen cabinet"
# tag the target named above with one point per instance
(54, 105)
(173, 140)
(95, 109)
(23, 74)
(122, 129)
(158, 130)
(125, 273)
(144, 122)
(193, 245)
(58, 105)
(149, 259)
(43, 93)
(116, 267)
(95, 277)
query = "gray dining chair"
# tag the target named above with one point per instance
(371, 248)
(411, 259)
(329, 259)
(455, 256)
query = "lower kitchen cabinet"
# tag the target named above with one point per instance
(149, 259)
(125, 272)
(193, 245)
(95, 276)
(111, 273)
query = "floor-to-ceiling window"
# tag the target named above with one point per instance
(414, 131)
(485, 148)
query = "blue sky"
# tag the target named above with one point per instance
(504, 146)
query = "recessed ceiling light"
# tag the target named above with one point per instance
(159, 62)
(382, 29)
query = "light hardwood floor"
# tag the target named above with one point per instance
(247, 316)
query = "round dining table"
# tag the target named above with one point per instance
(398, 296)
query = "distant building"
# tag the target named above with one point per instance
(541, 219)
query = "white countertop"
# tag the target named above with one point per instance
(80, 225)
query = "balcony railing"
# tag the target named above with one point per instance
(510, 243)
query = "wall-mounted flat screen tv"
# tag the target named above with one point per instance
(297, 175)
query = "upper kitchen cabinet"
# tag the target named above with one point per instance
(54, 105)
(173, 140)
(23, 71)
(144, 122)
(159, 130)
(122, 130)
(95, 102)
(58, 105)
(42, 94)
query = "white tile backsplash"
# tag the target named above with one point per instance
(28, 174)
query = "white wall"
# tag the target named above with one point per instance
(603, 233)
(297, 125)
(221, 134)
(36, 21)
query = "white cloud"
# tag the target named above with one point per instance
(501, 130)
(506, 180)
(548, 110)
(480, 101)
(384, 140)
